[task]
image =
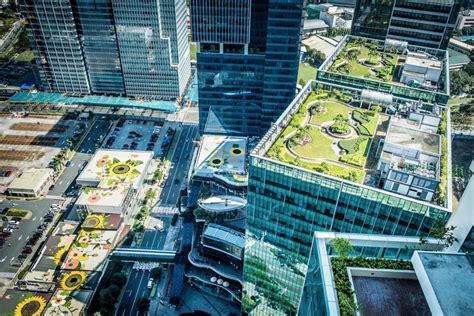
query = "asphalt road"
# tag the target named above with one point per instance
(136, 287)
(94, 139)
(26, 228)
(153, 239)
(70, 174)
(178, 172)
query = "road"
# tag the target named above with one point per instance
(181, 159)
(136, 287)
(153, 239)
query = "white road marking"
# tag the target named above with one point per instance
(34, 218)
(21, 236)
(3, 260)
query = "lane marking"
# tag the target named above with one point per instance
(4, 258)
(21, 236)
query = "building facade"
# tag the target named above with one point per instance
(247, 61)
(423, 23)
(137, 49)
(289, 198)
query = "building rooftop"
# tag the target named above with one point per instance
(223, 203)
(326, 130)
(404, 135)
(31, 179)
(225, 234)
(448, 279)
(58, 98)
(224, 157)
(383, 62)
(108, 168)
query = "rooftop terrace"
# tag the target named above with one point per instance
(333, 131)
(389, 66)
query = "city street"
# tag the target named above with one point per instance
(153, 239)
(179, 170)
(136, 287)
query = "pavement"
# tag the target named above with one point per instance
(180, 163)
(135, 288)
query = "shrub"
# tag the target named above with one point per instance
(351, 145)
(362, 130)
(360, 117)
(16, 212)
(355, 159)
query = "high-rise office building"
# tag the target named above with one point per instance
(247, 61)
(428, 23)
(350, 155)
(132, 48)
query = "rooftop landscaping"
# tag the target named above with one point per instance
(362, 58)
(328, 134)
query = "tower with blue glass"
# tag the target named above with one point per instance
(132, 48)
(247, 61)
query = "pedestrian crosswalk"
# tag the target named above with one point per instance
(165, 210)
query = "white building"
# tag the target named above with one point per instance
(465, 19)
(411, 156)
(31, 183)
(336, 17)
(422, 69)
(111, 180)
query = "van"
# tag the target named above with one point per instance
(150, 283)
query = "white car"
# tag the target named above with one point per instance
(150, 283)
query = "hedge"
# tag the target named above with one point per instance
(360, 117)
(351, 145)
(16, 212)
(362, 130)
(347, 305)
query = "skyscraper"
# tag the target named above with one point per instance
(428, 23)
(349, 154)
(132, 48)
(247, 61)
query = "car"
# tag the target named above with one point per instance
(27, 250)
(7, 230)
(13, 222)
(68, 163)
(16, 218)
(150, 283)
(22, 256)
(51, 187)
(48, 220)
(54, 205)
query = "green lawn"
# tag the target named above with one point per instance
(458, 101)
(25, 56)
(360, 156)
(333, 109)
(193, 51)
(306, 72)
(319, 147)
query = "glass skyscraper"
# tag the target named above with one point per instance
(428, 23)
(133, 48)
(247, 61)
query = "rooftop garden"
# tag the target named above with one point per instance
(362, 58)
(328, 135)
(345, 294)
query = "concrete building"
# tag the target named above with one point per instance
(421, 69)
(31, 183)
(111, 180)
(138, 49)
(465, 20)
(334, 16)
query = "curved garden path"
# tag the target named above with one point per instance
(307, 122)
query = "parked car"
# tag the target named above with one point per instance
(7, 230)
(16, 218)
(27, 250)
(150, 283)
(22, 256)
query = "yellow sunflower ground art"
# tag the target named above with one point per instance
(236, 152)
(58, 256)
(32, 306)
(216, 162)
(73, 280)
(94, 221)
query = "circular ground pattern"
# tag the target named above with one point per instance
(121, 169)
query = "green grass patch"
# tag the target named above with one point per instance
(193, 51)
(17, 212)
(333, 109)
(306, 72)
(319, 147)
(357, 149)
(25, 56)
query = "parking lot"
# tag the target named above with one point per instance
(32, 142)
(15, 242)
(135, 135)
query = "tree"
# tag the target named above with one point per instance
(443, 233)
(302, 82)
(461, 82)
(106, 299)
(343, 247)
(143, 304)
(469, 68)
(155, 273)
(118, 279)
